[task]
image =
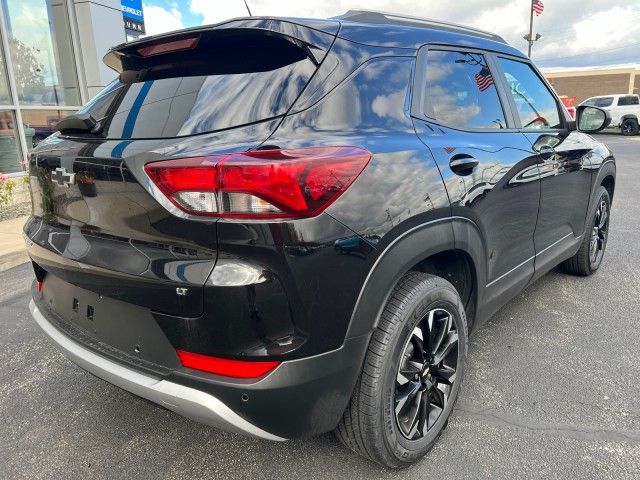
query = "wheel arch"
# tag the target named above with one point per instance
(606, 177)
(426, 248)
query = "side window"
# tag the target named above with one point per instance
(536, 106)
(629, 100)
(603, 102)
(459, 91)
(599, 102)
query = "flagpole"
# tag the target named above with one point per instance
(530, 28)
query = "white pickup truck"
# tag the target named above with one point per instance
(624, 110)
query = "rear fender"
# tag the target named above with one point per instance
(406, 251)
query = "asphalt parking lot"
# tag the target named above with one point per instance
(552, 391)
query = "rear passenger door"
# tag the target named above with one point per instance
(563, 156)
(487, 165)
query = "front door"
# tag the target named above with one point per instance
(488, 168)
(564, 164)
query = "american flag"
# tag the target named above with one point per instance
(484, 79)
(538, 6)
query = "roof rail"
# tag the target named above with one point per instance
(370, 16)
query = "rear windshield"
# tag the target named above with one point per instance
(241, 79)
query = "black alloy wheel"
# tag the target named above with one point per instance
(426, 374)
(599, 233)
(629, 127)
(589, 256)
(411, 375)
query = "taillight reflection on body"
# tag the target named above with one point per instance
(260, 184)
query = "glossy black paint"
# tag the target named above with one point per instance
(309, 291)
(501, 195)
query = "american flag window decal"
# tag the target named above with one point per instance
(460, 90)
(484, 79)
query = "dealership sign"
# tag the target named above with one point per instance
(132, 15)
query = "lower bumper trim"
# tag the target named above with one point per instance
(186, 401)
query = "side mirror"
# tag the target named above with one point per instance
(591, 119)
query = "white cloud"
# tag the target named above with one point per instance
(160, 20)
(608, 29)
(216, 11)
(568, 27)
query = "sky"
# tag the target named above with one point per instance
(575, 33)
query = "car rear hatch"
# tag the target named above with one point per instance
(97, 221)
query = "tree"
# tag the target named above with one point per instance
(27, 70)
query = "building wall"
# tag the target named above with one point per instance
(60, 43)
(100, 27)
(585, 86)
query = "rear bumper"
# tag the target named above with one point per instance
(301, 397)
(186, 401)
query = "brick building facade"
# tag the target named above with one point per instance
(584, 83)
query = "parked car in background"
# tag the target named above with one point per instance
(285, 227)
(624, 110)
(570, 104)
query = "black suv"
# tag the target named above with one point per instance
(284, 227)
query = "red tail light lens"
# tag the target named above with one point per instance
(260, 184)
(224, 366)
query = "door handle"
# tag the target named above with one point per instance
(546, 153)
(463, 164)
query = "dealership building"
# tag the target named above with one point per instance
(586, 82)
(51, 63)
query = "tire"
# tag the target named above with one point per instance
(370, 425)
(584, 262)
(629, 127)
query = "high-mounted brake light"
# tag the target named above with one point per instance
(226, 367)
(260, 184)
(167, 46)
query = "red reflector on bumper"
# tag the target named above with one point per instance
(224, 366)
(39, 285)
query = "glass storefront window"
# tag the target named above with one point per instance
(39, 124)
(41, 52)
(10, 155)
(4, 86)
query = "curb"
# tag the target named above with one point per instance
(13, 259)
(13, 251)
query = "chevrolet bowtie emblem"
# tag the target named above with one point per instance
(63, 178)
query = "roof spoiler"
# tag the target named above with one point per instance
(313, 36)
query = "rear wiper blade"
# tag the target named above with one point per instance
(79, 123)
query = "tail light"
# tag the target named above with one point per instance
(259, 184)
(226, 367)
(169, 45)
